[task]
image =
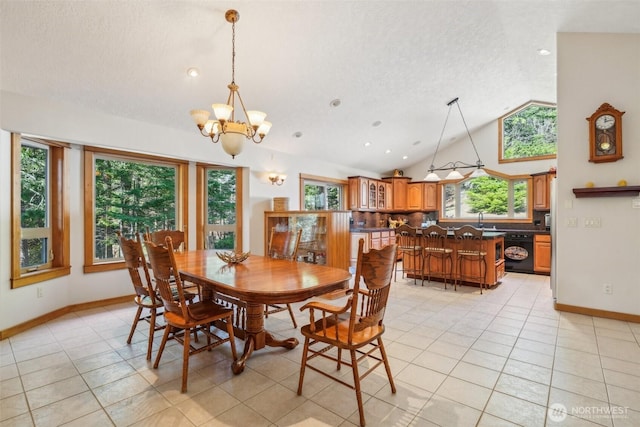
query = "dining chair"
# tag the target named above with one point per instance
(434, 245)
(283, 245)
(357, 327)
(184, 318)
(471, 254)
(409, 247)
(146, 297)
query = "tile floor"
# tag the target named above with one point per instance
(458, 358)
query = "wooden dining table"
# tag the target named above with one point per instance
(253, 283)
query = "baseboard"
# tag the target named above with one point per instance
(598, 313)
(40, 320)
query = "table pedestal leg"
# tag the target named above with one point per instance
(257, 337)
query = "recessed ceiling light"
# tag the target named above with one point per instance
(335, 103)
(297, 134)
(405, 157)
(417, 142)
(387, 151)
(366, 144)
(376, 123)
(193, 72)
(544, 52)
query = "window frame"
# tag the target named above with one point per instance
(201, 204)
(501, 158)
(315, 179)
(91, 265)
(465, 220)
(58, 211)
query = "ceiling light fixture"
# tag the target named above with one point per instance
(230, 132)
(193, 72)
(454, 166)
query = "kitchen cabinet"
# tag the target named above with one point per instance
(422, 196)
(398, 192)
(325, 234)
(374, 239)
(542, 190)
(542, 253)
(389, 196)
(358, 193)
(372, 204)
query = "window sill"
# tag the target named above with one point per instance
(39, 276)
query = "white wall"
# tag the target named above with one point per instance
(79, 126)
(593, 69)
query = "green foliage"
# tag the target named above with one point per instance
(221, 206)
(33, 186)
(131, 197)
(486, 194)
(319, 196)
(530, 132)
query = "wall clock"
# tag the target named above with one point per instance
(605, 134)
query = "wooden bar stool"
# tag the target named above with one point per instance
(434, 240)
(471, 253)
(409, 247)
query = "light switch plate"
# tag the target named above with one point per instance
(635, 203)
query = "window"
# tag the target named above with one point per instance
(528, 133)
(128, 193)
(40, 211)
(220, 230)
(319, 193)
(496, 196)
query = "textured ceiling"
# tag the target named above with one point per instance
(398, 62)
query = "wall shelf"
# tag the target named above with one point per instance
(626, 191)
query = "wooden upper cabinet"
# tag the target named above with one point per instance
(542, 191)
(429, 196)
(414, 196)
(358, 193)
(373, 195)
(422, 196)
(389, 196)
(399, 192)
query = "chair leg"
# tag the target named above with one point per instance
(165, 336)
(232, 340)
(293, 319)
(356, 383)
(152, 329)
(303, 365)
(134, 324)
(387, 367)
(339, 358)
(185, 359)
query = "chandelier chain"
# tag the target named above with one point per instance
(233, 51)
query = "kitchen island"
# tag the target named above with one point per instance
(492, 242)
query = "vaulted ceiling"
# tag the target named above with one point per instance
(393, 62)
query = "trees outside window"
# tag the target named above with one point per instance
(40, 211)
(322, 193)
(128, 193)
(528, 133)
(220, 228)
(497, 197)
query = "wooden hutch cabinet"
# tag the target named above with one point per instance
(325, 234)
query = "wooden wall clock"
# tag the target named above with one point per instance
(605, 134)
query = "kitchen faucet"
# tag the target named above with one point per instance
(480, 219)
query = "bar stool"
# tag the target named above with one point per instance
(471, 252)
(409, 248)
(433, 245)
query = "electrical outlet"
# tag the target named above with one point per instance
(39, 292)
(572, 221)
(592, 222)
(607, 288)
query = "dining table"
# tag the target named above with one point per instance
(254, 282)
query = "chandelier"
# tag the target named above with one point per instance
(454, 166)
(226, 129)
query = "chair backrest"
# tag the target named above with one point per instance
(136, 264)
(374, 271)
(434, 238)
(284, 244)
(468, 238)
(163, 264)
(406, 237)
(158, 237)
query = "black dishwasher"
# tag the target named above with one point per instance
(518, 252)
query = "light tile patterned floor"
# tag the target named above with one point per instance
(458, 358)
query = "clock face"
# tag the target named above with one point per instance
(605, 121)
